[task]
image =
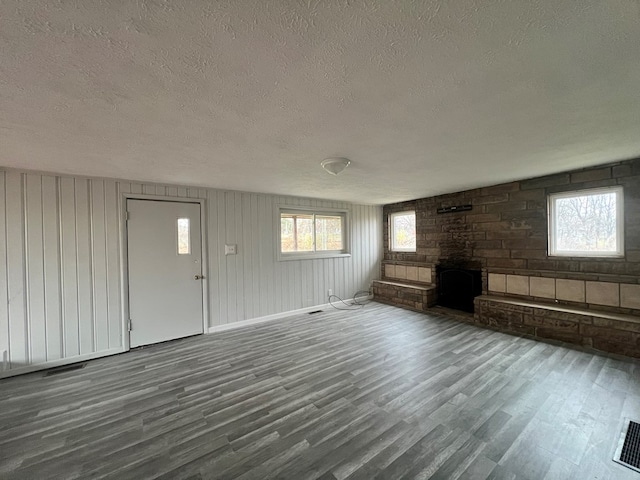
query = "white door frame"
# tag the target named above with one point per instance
(124, 258)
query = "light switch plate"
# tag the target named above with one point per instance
(230, 249)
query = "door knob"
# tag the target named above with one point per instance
(199, 277)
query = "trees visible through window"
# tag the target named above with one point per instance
(586, 223)
(402, 234)
(308, 232)
(296, 232)
(328, 232)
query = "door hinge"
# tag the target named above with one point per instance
(127, 216)
(130, 325)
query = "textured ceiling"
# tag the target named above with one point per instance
(424, 97)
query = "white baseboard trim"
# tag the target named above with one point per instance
(59, 362)
(270, 318)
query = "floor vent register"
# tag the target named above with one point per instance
(63, 369)
(628, 451)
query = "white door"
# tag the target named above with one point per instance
(165, 270)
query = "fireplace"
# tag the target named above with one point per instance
(457, 287)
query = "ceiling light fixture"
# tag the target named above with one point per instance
(335, 165)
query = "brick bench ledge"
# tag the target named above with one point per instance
(405, 295)
(406, 285)
(604, 331)
(562, 308)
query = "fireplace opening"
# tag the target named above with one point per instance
(457, 287)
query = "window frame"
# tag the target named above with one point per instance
(551, 223)
(313, 211)
(392, 246)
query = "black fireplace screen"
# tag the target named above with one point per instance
(458, 287)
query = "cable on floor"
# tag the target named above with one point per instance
(359, 300)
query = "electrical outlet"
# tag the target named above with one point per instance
(230, 249)
(330, 292)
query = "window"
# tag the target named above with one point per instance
(184, 237)
(586, 223)
(308, 233)
(402, 231)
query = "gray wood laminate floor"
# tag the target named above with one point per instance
(374, 393)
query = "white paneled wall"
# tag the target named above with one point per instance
(60, 254)
(60, 291)
(253, 284)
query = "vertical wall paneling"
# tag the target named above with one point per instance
(18, 321)
(253, 283)
(306, 283)
(214, 259)
(62, 289)
(4, 304)
(263, 254)
(255, 236)
(239, 258)
(112, 224)
(86, 325)
(269, 252)
(69, 267)
(356, 231)
(246, 252)
(222, 264)
(230, 260)
(52, 267)
(99, 266)
(365, 232)
(349, 269)
(34, 256)
(356, 220)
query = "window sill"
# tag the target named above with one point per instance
(586, 257)
(314, 256)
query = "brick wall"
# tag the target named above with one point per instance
(413, 297)
(607, 332)
(506, 230)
